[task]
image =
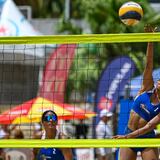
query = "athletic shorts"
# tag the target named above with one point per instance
(150, 134)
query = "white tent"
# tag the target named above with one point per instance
(13, 23)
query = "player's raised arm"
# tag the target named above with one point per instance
(147, 128)
(141, 131)
(148, 83)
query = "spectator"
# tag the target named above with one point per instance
(37, 131)
(104, 131)
(2, 154)
(4, 131)
(18, 134)
(81, 130)
(19, 153)
(68, 128)
(4, 134)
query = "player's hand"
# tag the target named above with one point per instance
(148, 28)
(119, 137)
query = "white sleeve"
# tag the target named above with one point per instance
(100, 133)
(109, 133)
(102, 151)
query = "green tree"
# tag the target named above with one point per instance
(44, 8)
(102, 17)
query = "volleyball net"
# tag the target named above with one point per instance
(63, 73)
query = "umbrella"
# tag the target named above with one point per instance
(31, 111)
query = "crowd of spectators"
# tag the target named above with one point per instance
(16, 132)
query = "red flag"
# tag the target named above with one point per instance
(56, 73)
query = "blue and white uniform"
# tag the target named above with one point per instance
(145, 109)
(50, 153)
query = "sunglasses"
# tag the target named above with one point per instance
(48, 118)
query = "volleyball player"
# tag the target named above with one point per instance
(49, 122)
(147, 128)
(145, 107)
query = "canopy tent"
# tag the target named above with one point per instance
(136, 82)
(31, 112)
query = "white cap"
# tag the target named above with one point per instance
(106, 113)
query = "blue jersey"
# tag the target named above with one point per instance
(50, 154)
(144, 108)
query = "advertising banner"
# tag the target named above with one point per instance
(112, 82)
(56, 73)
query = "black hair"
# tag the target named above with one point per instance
(45, 112)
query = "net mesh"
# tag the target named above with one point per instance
(63, 73)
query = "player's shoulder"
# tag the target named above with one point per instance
(143, 94)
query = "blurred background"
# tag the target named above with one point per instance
(82, 89)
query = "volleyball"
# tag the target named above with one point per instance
(130, 13)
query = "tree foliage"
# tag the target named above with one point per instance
(102, 17)
(44, 8)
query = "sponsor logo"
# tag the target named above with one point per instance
(144, 108)
(156, 109)
(105, 103)
(44, 157)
